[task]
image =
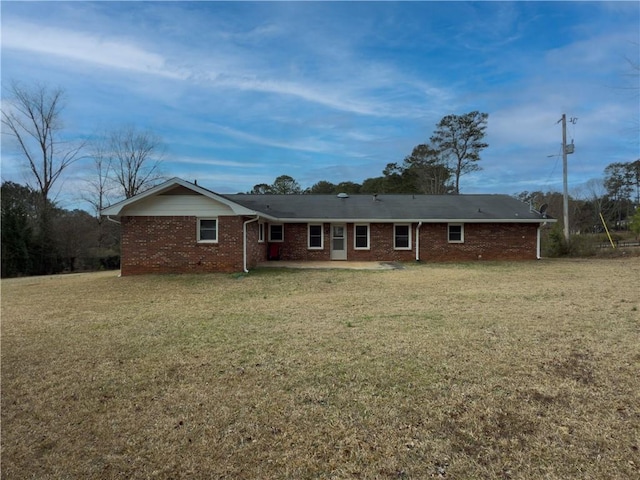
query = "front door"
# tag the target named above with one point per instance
(338, 242)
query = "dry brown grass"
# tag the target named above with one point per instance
(487, 370)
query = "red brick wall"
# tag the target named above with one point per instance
(503, 241)
(256, 252)
(294, 246)
(381, 245)
(482, 241)
(168, 244)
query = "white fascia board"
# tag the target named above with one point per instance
(116, 209)
(494, 220)
(409, 220)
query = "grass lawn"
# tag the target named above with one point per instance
(484, 370)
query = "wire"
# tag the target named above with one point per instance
(553, 170)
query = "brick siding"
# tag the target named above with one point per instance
(169, 245)
(482, 241)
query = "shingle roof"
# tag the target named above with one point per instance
(364, 208)
(469, 208)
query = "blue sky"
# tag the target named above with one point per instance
(243, 92)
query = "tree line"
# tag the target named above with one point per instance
(71, 240)
(38, 237)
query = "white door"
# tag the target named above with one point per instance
(338, 242)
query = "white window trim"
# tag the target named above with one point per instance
(200, 219)
(461, 225)
(260, 232)
(309, 247)
(276, 224)
(408, 225)
(368, 247)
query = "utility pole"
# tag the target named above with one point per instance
(566, 149)
(565, 188)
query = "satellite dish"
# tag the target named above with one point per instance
(543, 210)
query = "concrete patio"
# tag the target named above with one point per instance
(343, 265)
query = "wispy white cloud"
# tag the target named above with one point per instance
(84, 47)
(212, 162)
(360, 89)
(302, 144)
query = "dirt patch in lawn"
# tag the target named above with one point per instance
(484, 370)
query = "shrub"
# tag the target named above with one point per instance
(581, 246)
(555, 245)
(577, 246)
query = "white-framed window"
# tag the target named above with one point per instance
(315, 237)
(455, 233)
(276, 232)
(260, 232)
(207, 230)
(402, 236)
(361, 236)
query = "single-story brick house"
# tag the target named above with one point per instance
(180, 226)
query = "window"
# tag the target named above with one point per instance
(361, 237)
(315, 237)
(402, 237)
(456, 233)
(276, 232)
(261, 232)
(208, 230)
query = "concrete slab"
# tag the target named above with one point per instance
(343, 265)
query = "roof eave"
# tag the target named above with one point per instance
(410, 220)
(115, 210)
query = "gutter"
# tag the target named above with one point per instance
(244, 243)
(405, 220)
(418, 241)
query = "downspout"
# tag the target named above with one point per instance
(244, 242)
(112, 220)
(418, 241)
(538, 242)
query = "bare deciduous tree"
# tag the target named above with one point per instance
(136, 157)
(33, 117)
(100, 182)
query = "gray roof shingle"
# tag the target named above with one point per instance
(470, 208)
